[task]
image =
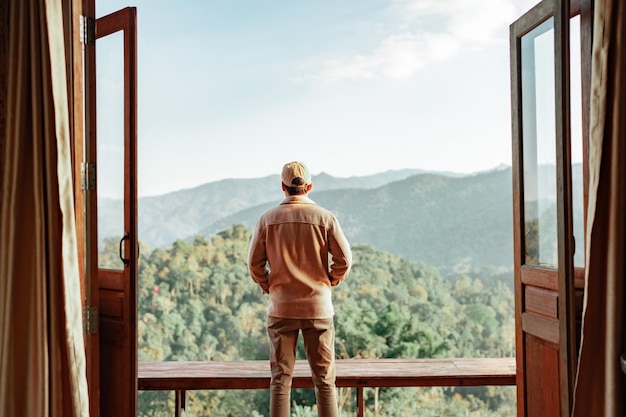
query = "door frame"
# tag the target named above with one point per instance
(560, 289)
(124, 20)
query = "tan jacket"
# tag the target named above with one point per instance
(288, 258)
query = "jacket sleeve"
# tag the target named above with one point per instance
(257, 258)
(341, 253)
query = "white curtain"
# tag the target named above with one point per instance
(42, 355)
(600, 385)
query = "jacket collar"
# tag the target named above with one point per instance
(294, 199)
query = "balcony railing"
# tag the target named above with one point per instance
(353, 373)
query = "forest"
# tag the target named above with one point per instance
(197, 302)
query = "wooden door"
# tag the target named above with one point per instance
(543, 216)
(113, 147)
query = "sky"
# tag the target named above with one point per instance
(235, 89)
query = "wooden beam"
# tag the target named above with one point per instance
(355, 373)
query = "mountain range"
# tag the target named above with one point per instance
(436, 219)
(443, 219)
(180, 214)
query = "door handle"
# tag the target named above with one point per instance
(126, 261)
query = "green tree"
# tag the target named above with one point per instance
(197, 302)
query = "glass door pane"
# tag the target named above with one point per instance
(539, 146)
(577, 142)
(110, 149)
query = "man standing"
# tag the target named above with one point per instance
(289, 259)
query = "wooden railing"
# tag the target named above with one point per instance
(354, 373)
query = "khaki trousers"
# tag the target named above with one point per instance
(319, 344)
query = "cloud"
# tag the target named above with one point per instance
(469, 21)
(398, 57)
(430, 31)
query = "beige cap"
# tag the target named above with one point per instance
(294, 170)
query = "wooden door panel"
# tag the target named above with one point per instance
(539, 277)
(544, 400)
(110, 370)
(117, 272)
(541, 301)
(112, 334)
(543, 261)
(541, 327)
(112, 305)
(549, 280)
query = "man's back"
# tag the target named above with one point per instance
(295, 238)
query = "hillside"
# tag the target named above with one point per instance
(455, 223)
(441, 221)
(197, 302)
(176, 215)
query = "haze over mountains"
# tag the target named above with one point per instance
(180, 214)
(437, 219)
(445, 220)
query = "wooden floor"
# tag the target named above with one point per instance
(350, 373)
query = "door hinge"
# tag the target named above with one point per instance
(88, 176)
(90, 319)
(87, 30)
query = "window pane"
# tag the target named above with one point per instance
(577, 141)
(539, 146)
(110, 148)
